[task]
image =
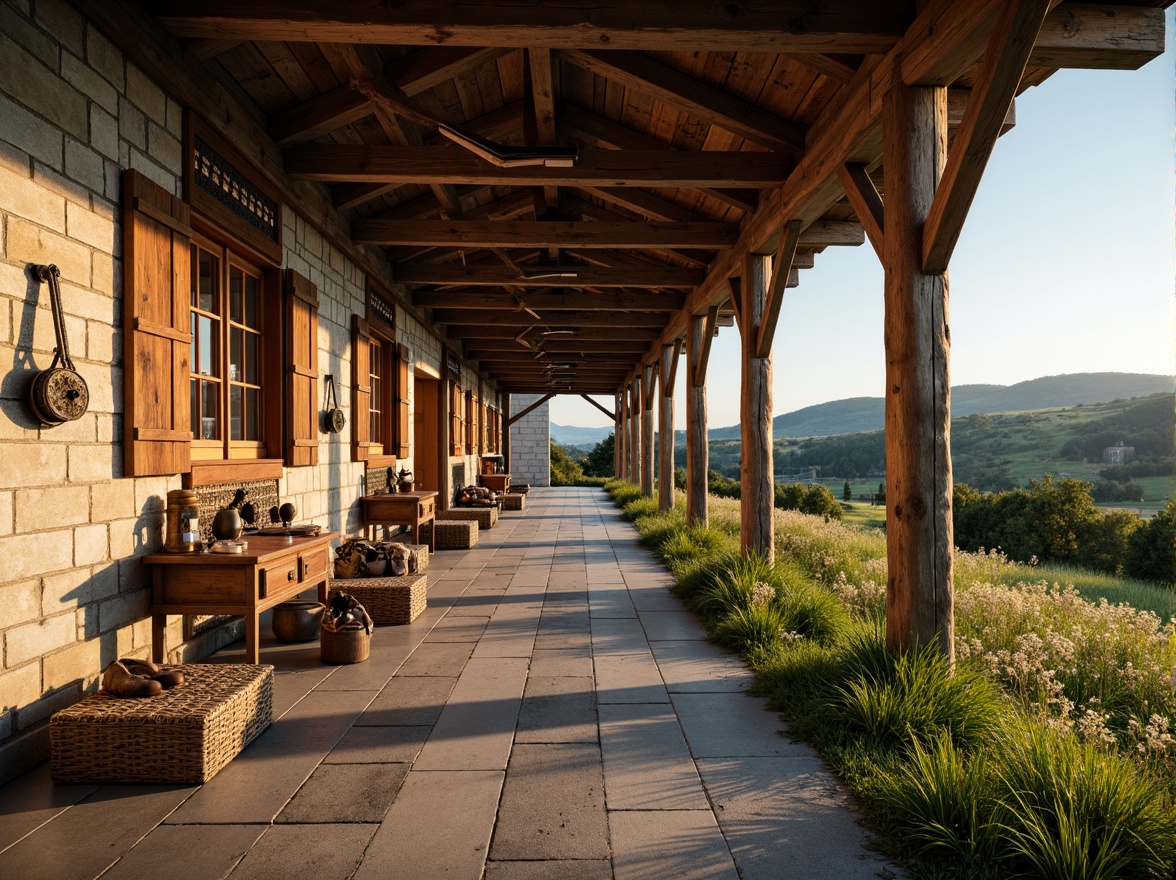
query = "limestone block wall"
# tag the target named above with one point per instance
(74, 113)
(530, 442)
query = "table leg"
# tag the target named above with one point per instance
(252, 654)
(158, 631)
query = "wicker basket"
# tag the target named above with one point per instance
(422, 552)
(485, 517)
(345, 646)
(453, 534)
(393, 600)
(521, 488)
(514, 501)
(185, 735)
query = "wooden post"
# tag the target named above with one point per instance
(755, 410)
(618, 433)
(918, 406)
(697, 445)
(665, 430)
(634, 439)
(647, 383)
(505, 421)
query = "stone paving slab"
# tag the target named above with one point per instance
(441, 660)
(193, 852)
(672, 626)
(582, 869)
(315, 852)
(379, 745)
(700, 667)
(557, 709)
(345, 793)
(31, 800)
(682, 844)
(709, 719)
(647, 765)
(629, 678)
(567, 662)
(440, 826)
(408, 701)
(618, 636)
(552, 804)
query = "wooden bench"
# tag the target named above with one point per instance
(186, 734)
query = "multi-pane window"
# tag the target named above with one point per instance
(227, 402)
(377, 405)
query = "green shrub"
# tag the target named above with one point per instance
(811, 611)
(733, 584)
(756, 626)
(639, 507)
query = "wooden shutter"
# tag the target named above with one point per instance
(403, 414)
(361, 391)
(157, 268)
(455, 425)
(302, 414)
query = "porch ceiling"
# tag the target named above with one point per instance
(702, 130)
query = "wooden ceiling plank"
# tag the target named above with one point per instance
(825, 65)
(330, 163)
(781, 275)
(547, 302)
(318, 116)
(207, 49)
(841, 26)
(579, 318)
(1004, 64)
(622, 334)
(426, 68)
(559, 233)
(712, 105)
(642, 202)
(866, 202)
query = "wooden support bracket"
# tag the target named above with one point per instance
(610, 413)
(735, 286)
(781, 274)
(866, 202)
(708, 334)
(670, 371)
(1009, 47)
(538, 403)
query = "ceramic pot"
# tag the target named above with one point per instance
(227, 525)
(297, 620)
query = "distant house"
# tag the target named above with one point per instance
(1118, 454)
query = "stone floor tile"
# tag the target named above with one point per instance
(557, 709)
(618, 636)
(379, 745)
(31, 800)
(466, 628)
(439, 826)
(256, 785)
(708, 719)
(316, 852)
(654, 598)
(443, 660)
(569, 662)
(647, 765)
(700, 667)
(812, 832)
(682, 844)
(672, 626)
(610, 600)
(552, 804)
(408, 701)
(187, 852)
(82, 842)
(477, 725)
(629, 678)
(596, 869)
(346, 793)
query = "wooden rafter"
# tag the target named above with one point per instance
(558, 345)
(335, 163)
(534, 406)
(781, 272)
(427, 68)
(320, 115)
(866, 202)
(586, 276)
(785, 26)
(470, 332)
(577, 319)
(520, 233)
(641, 202)
(608, 412)
(545, 302)
(705, 102)
(1004, 63)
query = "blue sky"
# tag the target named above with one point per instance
(1065, 264)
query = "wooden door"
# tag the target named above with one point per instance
(426, 446)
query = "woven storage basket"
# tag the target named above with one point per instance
(453, 534)
(521, 488)
(485, 517)
(387, 599)
(422, 552)
(186, 734)
(346, 646)
(514, 501)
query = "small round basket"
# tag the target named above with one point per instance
(297, 620)
(345, 646)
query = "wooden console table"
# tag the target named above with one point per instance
(409, 509)
(499, 483)
(269, 572)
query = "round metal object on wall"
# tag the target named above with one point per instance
(58, 395)
(336, 420)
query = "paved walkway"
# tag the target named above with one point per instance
(555, 713)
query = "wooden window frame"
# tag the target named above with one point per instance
(456, 426)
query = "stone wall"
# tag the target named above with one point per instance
(74, 113)
(530, 442)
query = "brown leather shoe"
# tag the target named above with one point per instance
(119, 681)
(168, 679)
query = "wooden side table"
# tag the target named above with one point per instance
(269, 572)
(499, 483)
(409, 509)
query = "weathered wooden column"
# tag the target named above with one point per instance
(505, 422)
(665, 430)
(918, 454)
(757, 531)
(648, 382)
(634, 439)
(698, 339)
(618, 433)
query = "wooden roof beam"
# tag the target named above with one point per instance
(577, 318)
(549, 233)
(558, 345)
(348, 163)
(548, 302)
(714, 106)
(426, 68)
(468, 332)
(1100, 37)
(841, 26)
(207, 49)
(482, 275)
(641, 202)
